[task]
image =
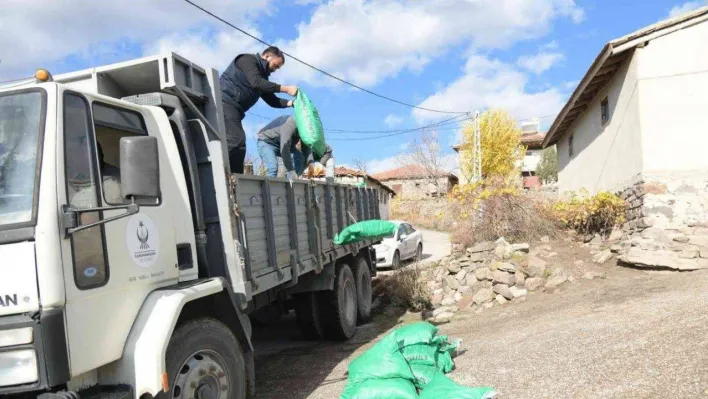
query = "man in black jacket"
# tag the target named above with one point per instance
(242, 84)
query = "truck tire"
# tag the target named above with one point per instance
(338, 308)
(362, 277)
(205, 354)
(308, 315)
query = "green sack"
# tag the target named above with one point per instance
(309, 125)
(421, 353)
(416, 333)
(383, 361)
(442, 387)
(392, 388)
(369, 229)
(423, 373)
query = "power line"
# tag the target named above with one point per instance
(388, 135)
(318, 69)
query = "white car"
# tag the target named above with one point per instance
(405, 243)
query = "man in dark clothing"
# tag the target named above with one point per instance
(280, 138)
(242, 84)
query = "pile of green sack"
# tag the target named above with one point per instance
(309, 125)
(409, 363)
(368, 229)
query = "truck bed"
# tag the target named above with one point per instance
(288, 230)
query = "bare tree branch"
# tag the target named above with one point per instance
(424, 155)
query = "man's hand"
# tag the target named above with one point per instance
(291, 103)
(292, 90)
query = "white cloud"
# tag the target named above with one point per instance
(489, 83)
(686, 8)
(307, 2)
(393, 120)
(367, 41)
(381, 165)
(38, 32)
(553, 45)
(539, 63)
(571, 85)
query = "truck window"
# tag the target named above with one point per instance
(90, 265)
(111, 124)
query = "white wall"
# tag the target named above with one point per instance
(531, 160)
(673, 72)
(607, 156)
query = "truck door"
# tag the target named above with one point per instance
(110, 268)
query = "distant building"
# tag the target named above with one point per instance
(415, 181)
(344, 175)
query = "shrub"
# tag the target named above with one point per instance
(497, 208)
(596, 214)
(404, 288)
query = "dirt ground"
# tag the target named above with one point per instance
(635, 334)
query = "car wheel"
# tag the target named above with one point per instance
(396, 262)
(419, 252)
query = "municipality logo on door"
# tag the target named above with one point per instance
(143, 240)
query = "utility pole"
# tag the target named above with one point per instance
(477, 150)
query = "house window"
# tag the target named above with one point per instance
(605, 110)
(570, 145)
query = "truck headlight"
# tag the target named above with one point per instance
(17, 336)
(18, 367)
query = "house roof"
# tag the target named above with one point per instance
(344, 171)
(407, 172)
(606, 65)
(533, 140)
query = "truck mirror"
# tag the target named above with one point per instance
(139, 168)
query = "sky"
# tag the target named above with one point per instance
(524, 56)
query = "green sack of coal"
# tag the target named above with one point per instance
(441, 387)
(416, 333)
(369, 229)
(391, 388)
(309, 125)
(383, 361)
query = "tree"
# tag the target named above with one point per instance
(502, 151)
(424, 155)
(547, 169)
(360, 165)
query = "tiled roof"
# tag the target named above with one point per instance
(406, 172)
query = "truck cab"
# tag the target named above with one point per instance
(132, 257)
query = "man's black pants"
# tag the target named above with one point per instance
(235, 137)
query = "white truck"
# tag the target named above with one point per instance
(132, 260)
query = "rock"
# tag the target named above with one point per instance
(520, 278)
(500, 251)
(452, 282)
(471, 280)
(667, 259)
(435, 300)
(689, 254)
(503, 290)
(375, 304)
(551, 254)
(483, 296)
(602, 256)
(483, 273)
(442, 318)
(486, 246)
(464, 263)
(703, 252)
(501, 300)
(616, 248)
(448, 301)
(520, 247)
(536, 267)
(518, 292)
(438, 291)
(464, 289)
(461, 275)
(501, 241)
(478, 257)
(616, 234)
(682, 239)
(578, 263)
(597, 240)
(465, 302)
(487, 284)
(453, 268)
(588, 238)
(488, 305)
(457, 297)
(545, 239)
(503, 277)
(593, 275)
(571, 279)
(506, 267)
(555, 281)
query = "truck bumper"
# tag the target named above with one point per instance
(45, 358)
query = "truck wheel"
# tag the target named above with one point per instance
(204, 360)
(308, 315)
(339, 307)
(363, 291)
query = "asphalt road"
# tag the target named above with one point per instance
(436, 246)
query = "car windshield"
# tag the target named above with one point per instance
(20, 116)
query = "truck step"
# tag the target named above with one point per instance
(97, 392)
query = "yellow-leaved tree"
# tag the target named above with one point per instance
(502, 152)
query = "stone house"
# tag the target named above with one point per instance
(636, 125)
(414, 181)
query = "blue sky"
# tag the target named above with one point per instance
(521, 55)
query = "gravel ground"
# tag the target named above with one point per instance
(636, 334)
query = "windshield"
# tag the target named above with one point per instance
(20, 115)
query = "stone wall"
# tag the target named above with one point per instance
(667, 220)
